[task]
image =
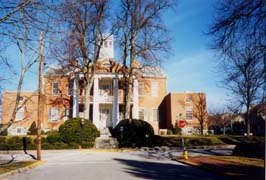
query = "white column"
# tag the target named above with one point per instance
(96, 103)
(135, 99)
(76, 96)
(115, 102)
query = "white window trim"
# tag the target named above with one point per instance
(189, 108)
(20, 114)
(141, 84)
(142, 109)
(154, 88)
(56, 117)
(152, 114)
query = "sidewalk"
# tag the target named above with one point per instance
(227, 169)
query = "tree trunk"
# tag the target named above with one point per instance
(128, 98)
(248, 123)
(87, 87)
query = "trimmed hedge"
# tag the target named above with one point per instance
(54, 137)
(73, 134)
(135, 133)
(78, 130)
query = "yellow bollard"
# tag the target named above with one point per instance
(185, 154)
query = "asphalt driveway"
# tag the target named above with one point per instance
(82, 165)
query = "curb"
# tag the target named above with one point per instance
(107, 150)
(23, 169)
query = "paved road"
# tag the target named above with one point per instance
(83, 165)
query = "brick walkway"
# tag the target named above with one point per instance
(228, 169)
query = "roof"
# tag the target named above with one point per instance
(151, 71)
(56, 70)
(145, 71)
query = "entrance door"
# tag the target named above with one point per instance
(106, 117)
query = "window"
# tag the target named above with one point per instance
(110, 44)
(105, 44)
(19, 130)
(142, 114)
(20, 114)
(154, 114)
(141, 88)
(55, 89)
(188, 100)
(54, 114)
(189, 113)
(154, 89)
(81, 107)
(70, 88)
(67, 113)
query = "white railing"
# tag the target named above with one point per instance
(106, 99)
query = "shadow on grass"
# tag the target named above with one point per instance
(167, 171)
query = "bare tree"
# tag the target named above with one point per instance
(85, 23)
(8, 9)
(199, 110)
(220, 117)
(239, 32)
(142, 37)
(244, 80)
(21, 25)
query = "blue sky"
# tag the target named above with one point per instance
(191, 67)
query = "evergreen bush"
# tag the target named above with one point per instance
(78, 130)
(4, 133)
(54, 137)
(135, 133)
(33, 129)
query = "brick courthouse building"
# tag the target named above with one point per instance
(63, 98)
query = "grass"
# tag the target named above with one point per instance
(242, 160)
(197, 140)
(14, 166)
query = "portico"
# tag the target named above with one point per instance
(106, 99)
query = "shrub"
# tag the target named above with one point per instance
(32, 129)
(14, 140)
(54, 137)
(251, 150)
(169, 132)
(176, 130)
(135, 133)
(56, 145)
(76, 130)
(2, 140)
(73, 145)
(87, 144)
(4, 133)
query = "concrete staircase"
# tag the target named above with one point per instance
(105, 141)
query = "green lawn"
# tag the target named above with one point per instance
(197, 140)
(14, 166)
